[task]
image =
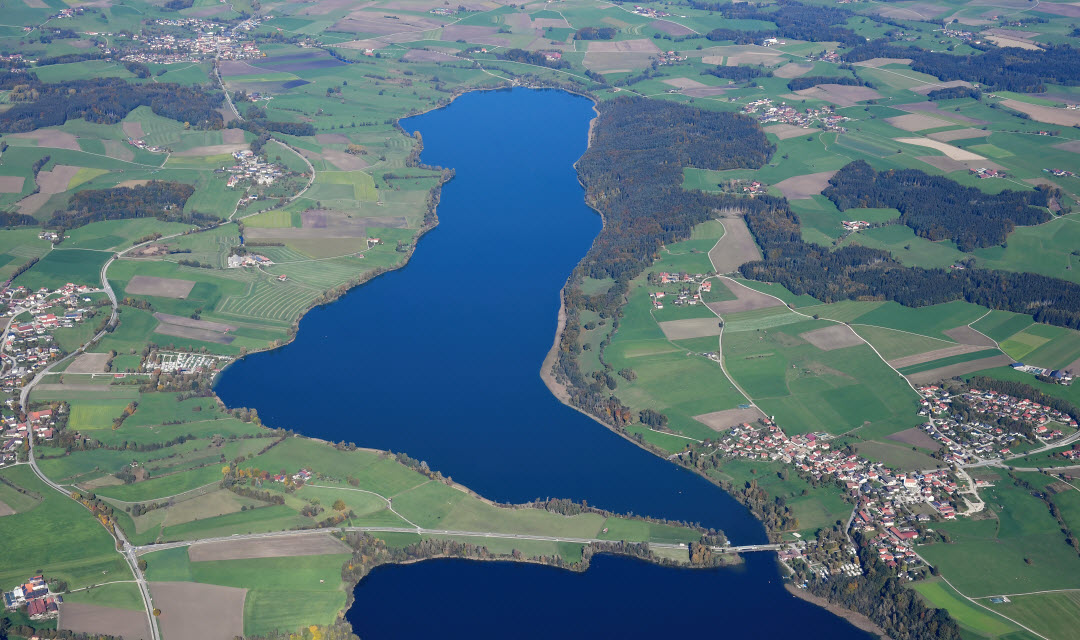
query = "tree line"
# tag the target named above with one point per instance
(805, 82)
(1021, 390)
(632, 174)
(855, 272)
(156, 198)
(880, 596)
(740, 73)
(531, 57)
(1011, 68)
(103, 101)
(792, 19)
(938, 208)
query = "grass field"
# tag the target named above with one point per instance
(892, 343)
(283, 593)
(79, 551)
(124, 595)
(61, 266)
(1055, 615)
(669, 377)
(987, 557)
(95, 414)
(809, 389)
(969, 616)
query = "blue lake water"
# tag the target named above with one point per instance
(441, 360)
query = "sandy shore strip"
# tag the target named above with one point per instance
(856, 619)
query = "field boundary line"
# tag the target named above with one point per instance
(795, 311)
(910, 333)
(389, 503)
(975, 602)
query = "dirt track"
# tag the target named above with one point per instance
(89, 618)
(966, 335)
(1050, 115)
(785, 131)
(276, 547)
(802, 187)
(11, 184)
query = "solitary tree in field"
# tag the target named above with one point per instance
(339, 505)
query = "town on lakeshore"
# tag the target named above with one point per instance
(834, 275)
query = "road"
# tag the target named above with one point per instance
(441, 532)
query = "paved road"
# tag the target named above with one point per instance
(443, 532)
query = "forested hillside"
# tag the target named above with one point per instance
(102, 100)
(855, 271)
(938, 208)
(156, 198)
(633, 174)
(792, 19)
(1011, 68)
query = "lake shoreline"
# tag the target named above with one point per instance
(855, 618)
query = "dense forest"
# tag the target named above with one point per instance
(951, 93)
(260, 126)
(1011, 68)
(855, 272)
(806, 82)
(153, 199)
(12, 219)
(106, 101)
(792, 19)
(938, 208)
(531, 57)
(633, 174)
(740, 73)
(593, 33)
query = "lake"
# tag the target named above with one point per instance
(440, 359)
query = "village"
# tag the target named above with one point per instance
(26, 344)
(893, 508)
(251, 168)
(790, 115)
(40, 602)
(973, 442)
(888, 504)
(210, 41)
(685, 296)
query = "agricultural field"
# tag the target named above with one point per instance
(1018, 550)
(816, 376)
(324, 95)
(970, 617)
(78, 552)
